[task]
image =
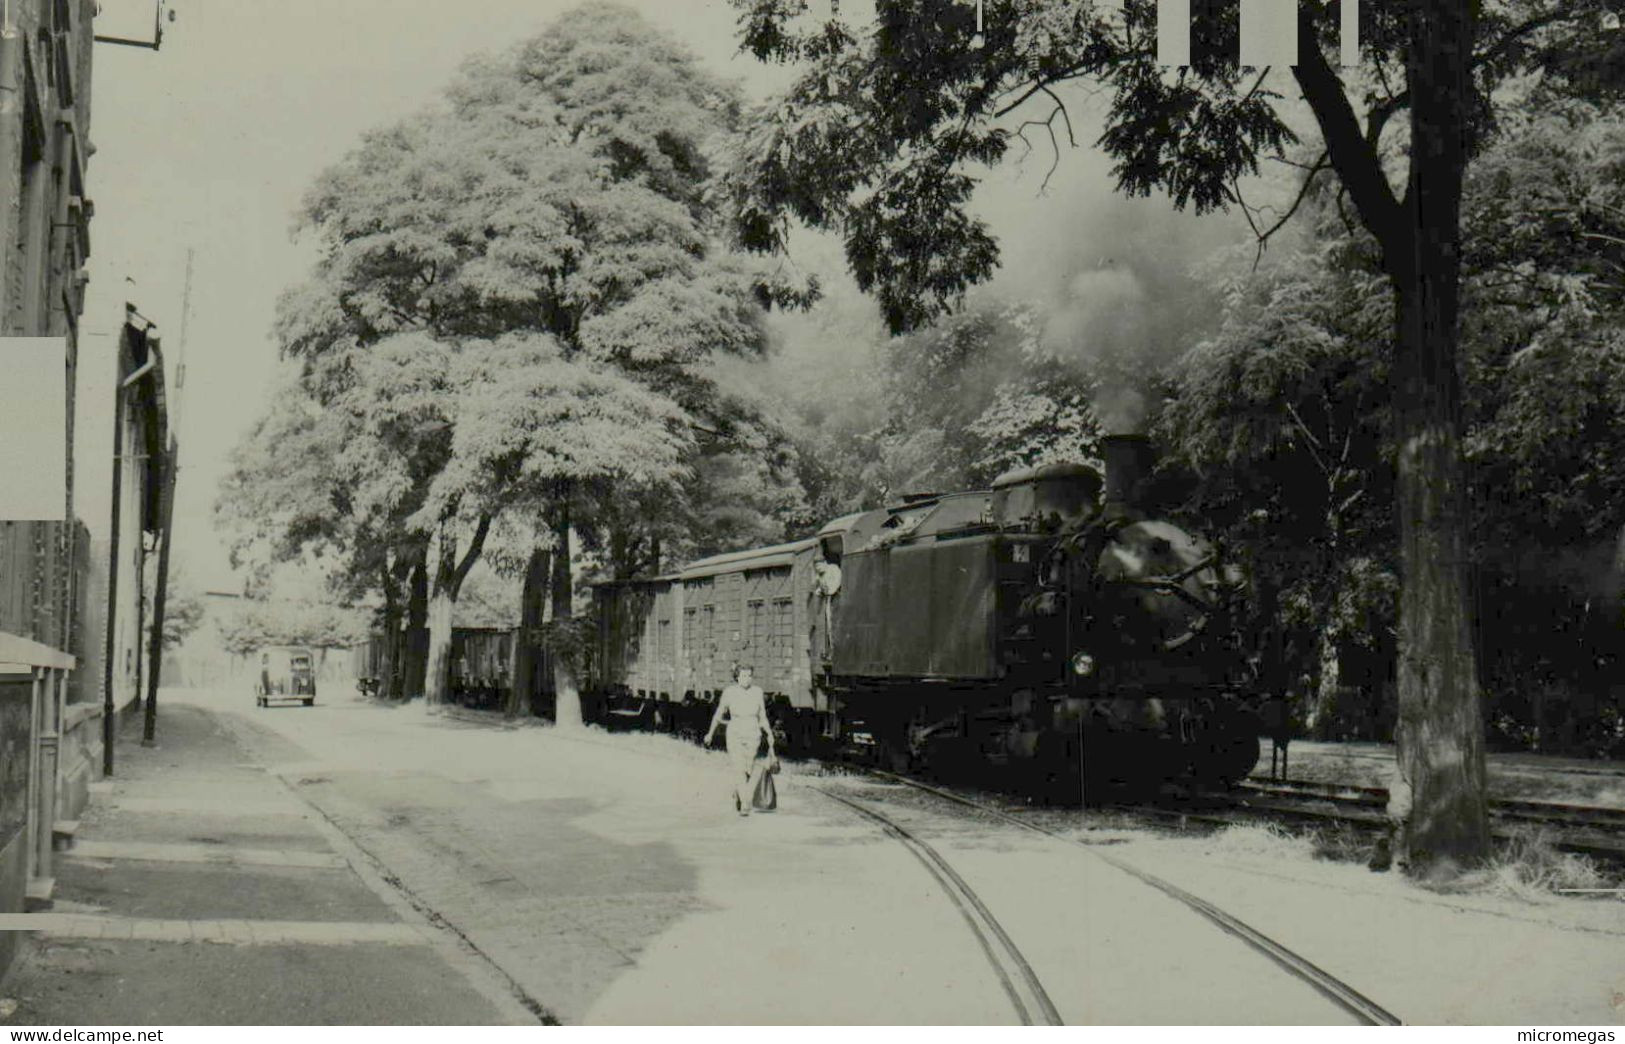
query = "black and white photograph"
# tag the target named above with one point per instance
(802, 513)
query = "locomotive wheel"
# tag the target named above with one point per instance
(1116, 765)
(891, 751)
(804, 733)
(1056, 769)
(894, 758)
(1229, 757)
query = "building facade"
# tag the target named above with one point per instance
(47, 618)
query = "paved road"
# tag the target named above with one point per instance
(357, 863)
(609, 877)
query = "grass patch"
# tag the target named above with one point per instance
(1343, 843)
(1261, 839)
(1527, 867)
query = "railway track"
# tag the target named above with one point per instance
(1589, 830)
(1016, 976)
(1290, 799)
(1334, 989)
(1019, 982)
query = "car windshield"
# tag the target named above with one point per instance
(301, 662)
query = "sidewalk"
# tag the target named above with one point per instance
(202, 891)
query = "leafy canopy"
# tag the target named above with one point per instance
(881, 136)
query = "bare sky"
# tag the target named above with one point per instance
(209, 144)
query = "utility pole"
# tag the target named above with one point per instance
(109, 706)
(155, 653)
(171, 472)
(180, 352)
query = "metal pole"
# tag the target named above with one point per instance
(155, 653)
(108, 709)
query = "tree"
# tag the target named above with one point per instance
(290, 495)
(534, 432)
(1281, 414)
(945, 408)
(256, 624)
(560, 192)
(183, 609)
(877, 137)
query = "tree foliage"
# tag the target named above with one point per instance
(255, 624)
(517, 298)
(1281, 415)
(183, 608)
(883, 132)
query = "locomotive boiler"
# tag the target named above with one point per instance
(1049, 624)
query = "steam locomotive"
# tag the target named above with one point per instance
(1047, 624)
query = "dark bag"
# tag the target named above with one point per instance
(766, 798)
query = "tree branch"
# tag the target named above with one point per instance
(1263, 237)
(472, 555)
(1054, 143)
(1066, 117)
(1314, 442)
(1356, 162)
(1041, 84)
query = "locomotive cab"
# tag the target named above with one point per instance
(1046, 496)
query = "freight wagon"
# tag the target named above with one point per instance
(666, 646)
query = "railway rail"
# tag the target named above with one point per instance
(1594, 831)
(1016, 976)
(1334, 989)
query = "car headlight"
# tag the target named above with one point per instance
(1083, 665)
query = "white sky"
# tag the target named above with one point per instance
(209, 144)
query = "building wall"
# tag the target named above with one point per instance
(45, 59)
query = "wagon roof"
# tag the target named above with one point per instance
(842, 524)
(738, 561)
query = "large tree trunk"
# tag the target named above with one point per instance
(532, 614)
(567, 714)
(1329, 677)
(415, 653)
(388, 685)
(391, 637)
(448, 582)
(1441, 728)
(437, 680)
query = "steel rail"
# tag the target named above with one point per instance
(1334, 989)
(1592, 829)
(1020, 983)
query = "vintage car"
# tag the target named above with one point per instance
(286, 673)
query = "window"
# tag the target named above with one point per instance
(783, 633)
(756, 641)
(708, 637)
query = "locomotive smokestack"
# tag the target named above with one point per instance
(1129, 459)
